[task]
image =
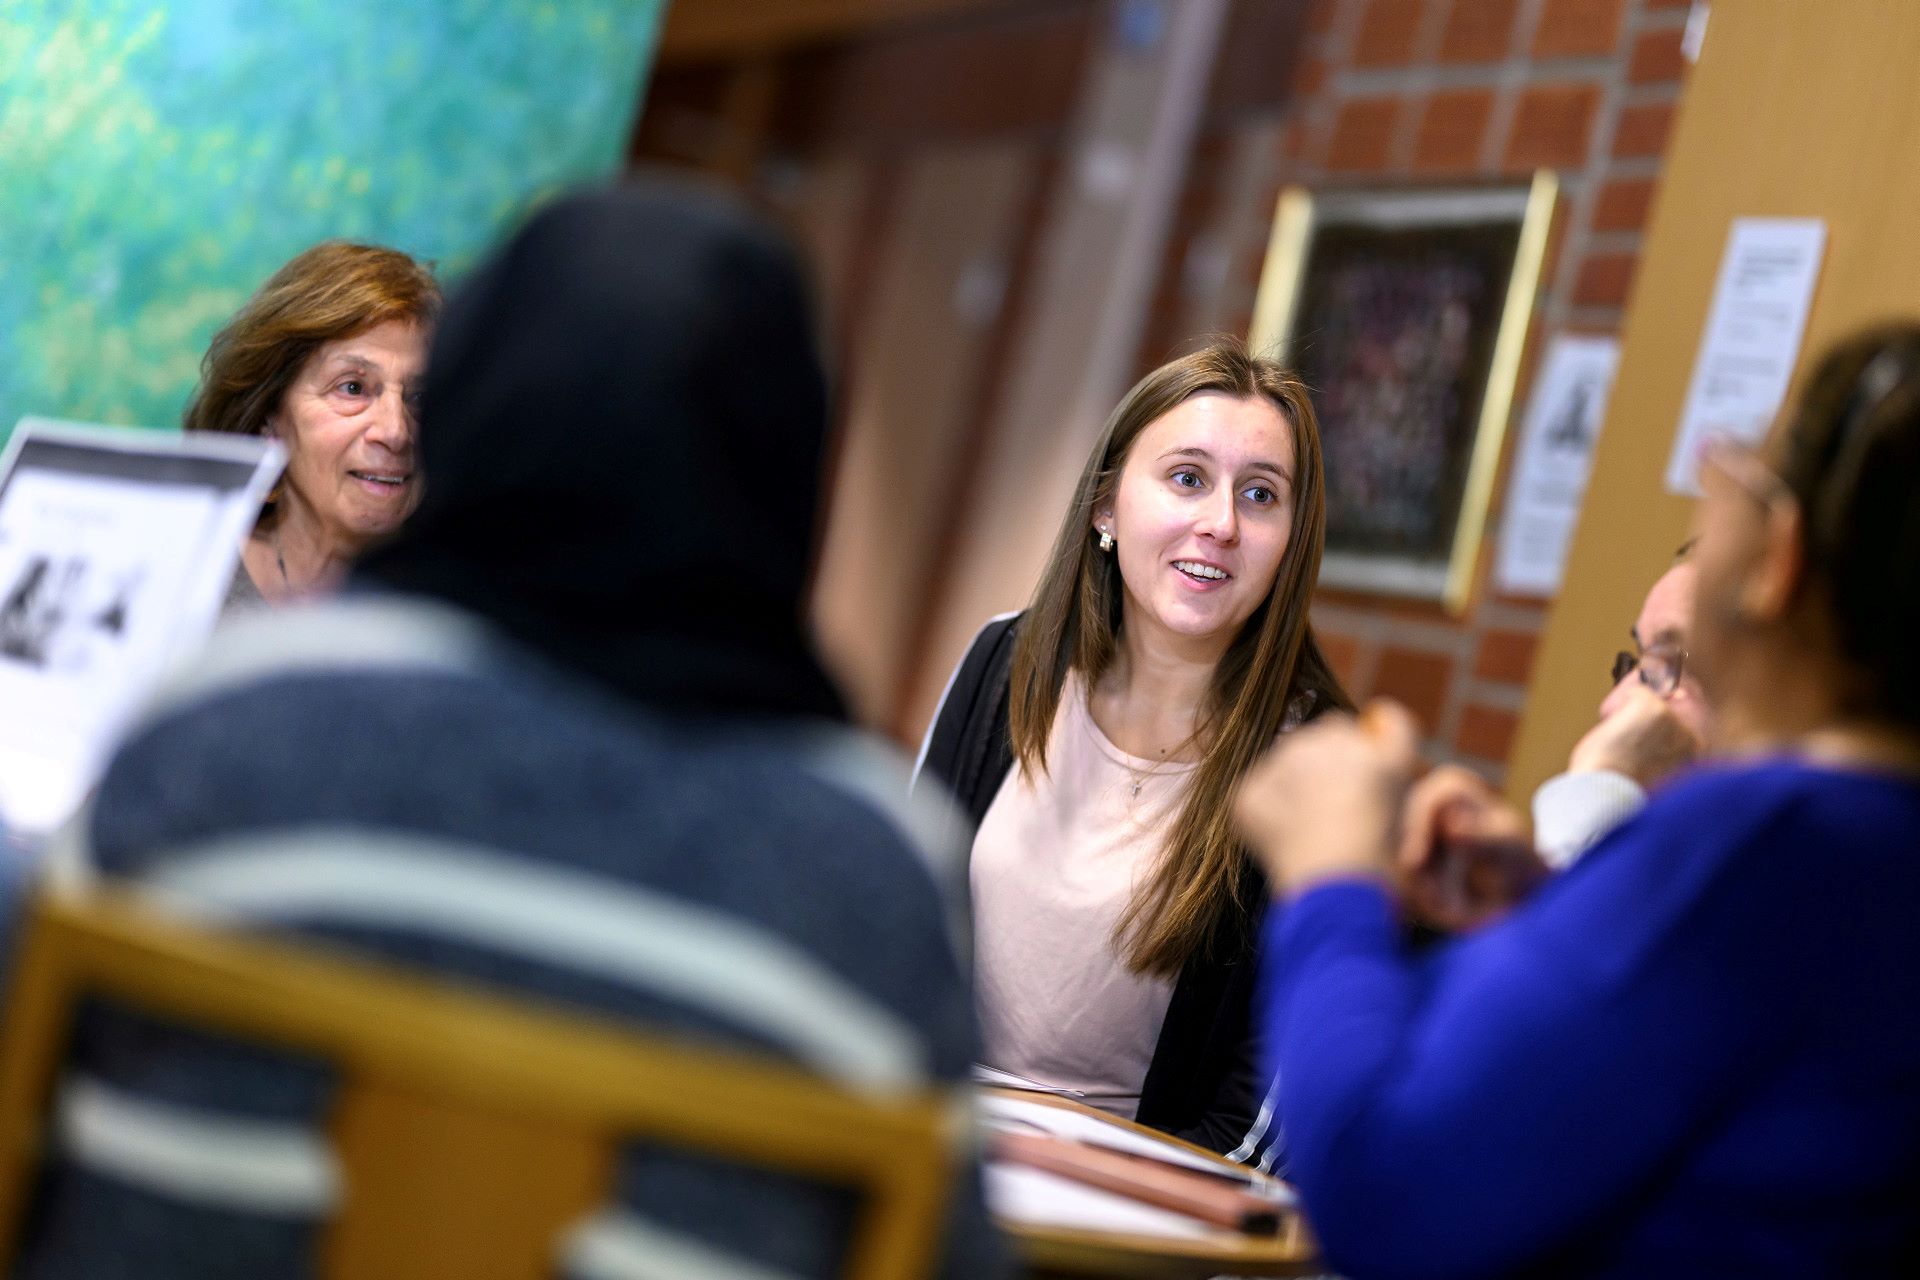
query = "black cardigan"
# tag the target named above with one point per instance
(1205, 1082)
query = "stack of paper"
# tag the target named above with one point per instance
(1043, 1195)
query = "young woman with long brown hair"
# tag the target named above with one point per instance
(1165, 648)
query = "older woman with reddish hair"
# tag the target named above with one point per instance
(327, 358)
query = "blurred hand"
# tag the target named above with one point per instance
(1325, 801)
(1465, 855)
(1643, 738)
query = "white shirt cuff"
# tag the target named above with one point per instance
(1571, 811)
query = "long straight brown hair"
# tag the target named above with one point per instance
(1271, 669)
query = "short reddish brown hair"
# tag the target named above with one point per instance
(331, 291)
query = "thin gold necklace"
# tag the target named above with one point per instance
(1153, 770)
(280, 558)
(1138, 777)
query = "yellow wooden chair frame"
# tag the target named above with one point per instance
(471, 1129)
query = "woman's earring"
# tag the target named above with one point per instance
(1106, 540)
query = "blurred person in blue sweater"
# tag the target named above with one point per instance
(1697, 1051)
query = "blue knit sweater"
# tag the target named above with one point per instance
(1695, 1053)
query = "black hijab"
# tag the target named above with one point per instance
(622, 438)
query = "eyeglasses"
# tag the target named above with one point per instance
(1660, 667)
(1742, 465)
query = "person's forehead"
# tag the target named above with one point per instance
(1229, 429)
(392, 343)
(1668, 608)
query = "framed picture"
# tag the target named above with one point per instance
(1406, 312)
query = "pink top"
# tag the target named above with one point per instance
(1054, 865)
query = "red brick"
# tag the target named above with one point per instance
(1452, 129)
(1388, 33)
(1553, 126)
(1311, 78)
(1478, 31)
(1623, 205)
(1657, 58)
(1506, 656)
(1391, 607)
(1578, 28)
(1643, 130)
(1293, 147)
(1604, 280)
(1486, 733)
(1417, 679)
(1320, 17)
(1343, 655)
(1493, 594)
(1363, 135)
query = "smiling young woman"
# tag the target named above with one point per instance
(327, 357)
(1165, 647)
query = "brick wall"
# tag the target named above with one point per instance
(1431, 90)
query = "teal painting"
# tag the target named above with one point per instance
(158, 160)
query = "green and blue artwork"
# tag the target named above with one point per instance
(160, 158)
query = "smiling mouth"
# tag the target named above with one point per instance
(390, 480)
(1201, 572)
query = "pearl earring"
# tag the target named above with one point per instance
(1106, 540)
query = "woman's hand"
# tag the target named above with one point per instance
(1325, 802)
(1465, 855)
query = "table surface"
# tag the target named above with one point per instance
(1059, 1251)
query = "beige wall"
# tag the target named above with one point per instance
(928, 321)
(1793, 110)
(1100, 255)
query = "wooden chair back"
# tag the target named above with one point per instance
(471, 1129)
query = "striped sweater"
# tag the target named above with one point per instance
(388, 775)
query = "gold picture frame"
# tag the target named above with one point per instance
(1407, 313)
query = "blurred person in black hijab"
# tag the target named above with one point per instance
(629, 424)
(565, 734)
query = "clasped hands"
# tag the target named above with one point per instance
(1338, 799)
(1343, 797)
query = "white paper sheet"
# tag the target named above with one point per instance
(1754, 327)
(984, 1074)
(1556, 455)
(1033, 1197)
(116, 547)
(1022, 1115)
